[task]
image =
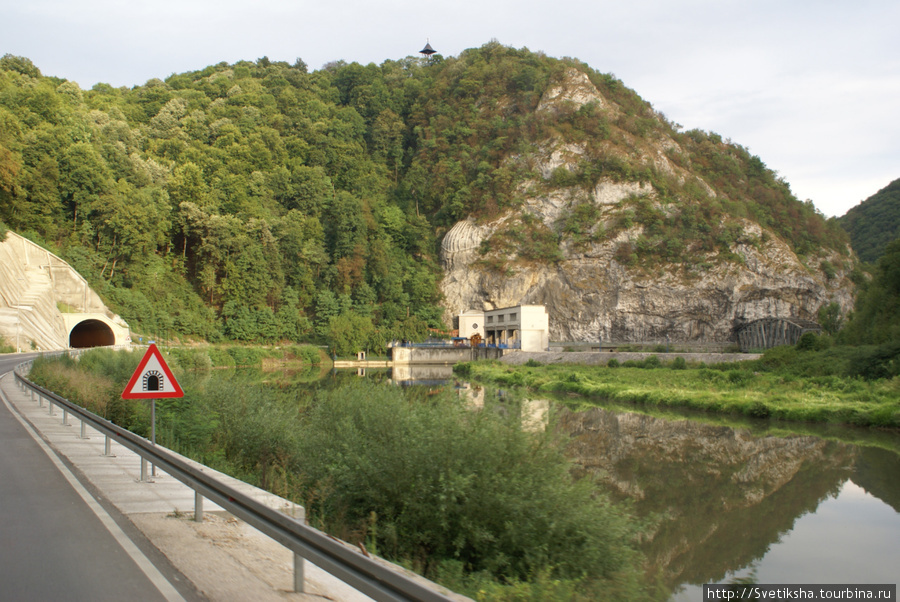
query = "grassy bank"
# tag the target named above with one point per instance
(469, 499)
(785, 384)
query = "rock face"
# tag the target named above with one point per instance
(590, 293)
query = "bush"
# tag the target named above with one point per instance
(463, 369)
(247, 356)
(678, 363)
(191, 359)
(430, 482)
(310, 354)
(612, 363)
(876, 362)
(220, 358)
(651, 362)
(811, 341)
(533, 363)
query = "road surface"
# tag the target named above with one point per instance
(60, 542)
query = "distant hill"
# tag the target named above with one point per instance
(260, 201)
(874, 223)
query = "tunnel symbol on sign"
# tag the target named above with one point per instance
(153, 381)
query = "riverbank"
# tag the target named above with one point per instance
(750, 388)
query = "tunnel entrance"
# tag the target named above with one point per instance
(91, 333)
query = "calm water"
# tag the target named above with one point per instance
(728, 499)
(737, 501)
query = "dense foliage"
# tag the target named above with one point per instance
(464, 496)
(876, 318)
(874, 223)
(259, 201)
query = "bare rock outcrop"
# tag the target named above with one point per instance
(598, 285)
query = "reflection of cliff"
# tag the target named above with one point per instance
(872, 469)
(721, 495)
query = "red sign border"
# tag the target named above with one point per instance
(152, 351)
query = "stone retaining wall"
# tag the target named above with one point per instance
(600, 358)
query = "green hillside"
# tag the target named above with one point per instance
(259, 201)
(874, 223)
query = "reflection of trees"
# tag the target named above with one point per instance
(876, 472)
(721, 496)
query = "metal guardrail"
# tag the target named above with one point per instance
(368, 576)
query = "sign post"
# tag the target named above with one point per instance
(152, 380)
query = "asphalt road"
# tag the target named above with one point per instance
(58, 540)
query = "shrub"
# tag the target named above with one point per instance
(811, 341)
(651, 362)
(737, 377)
(463, 369)
(429, 482)
(533, 363)
(758, 409)
(612, 363)
(310, 354)
(247, 356)
(678, 363)
(876, 362)
(220, 358)
(191, 359)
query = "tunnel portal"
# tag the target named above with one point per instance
(91, 333)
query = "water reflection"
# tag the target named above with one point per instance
(726, 499)
(421, 374)
(722, 498)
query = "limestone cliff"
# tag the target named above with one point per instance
(602, 270)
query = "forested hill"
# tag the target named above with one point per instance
(874, 223)
(261, 201)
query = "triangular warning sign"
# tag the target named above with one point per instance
(152, 379)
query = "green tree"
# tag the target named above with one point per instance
(831, 318)
(876, 319)
(349, 333)
(83, 178)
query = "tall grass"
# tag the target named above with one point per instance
(786, 384)
(465, 497)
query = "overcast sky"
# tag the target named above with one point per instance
(811, 86)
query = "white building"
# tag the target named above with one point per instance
(525, 327)
(470, 323)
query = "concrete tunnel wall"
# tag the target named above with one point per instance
(94, 330)
(91, 333)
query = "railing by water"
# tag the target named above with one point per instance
(368, 576)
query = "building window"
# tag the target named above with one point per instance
(512, 317)
(500, 318)
(490, 319)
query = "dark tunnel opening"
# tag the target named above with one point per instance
(91, 333)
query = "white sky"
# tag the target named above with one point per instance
(811, 86)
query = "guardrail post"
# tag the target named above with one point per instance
(83, 434)
(299, 573)
(198, 507)
(65, 421)
(49, 406)
(107, 448)
(144, 477)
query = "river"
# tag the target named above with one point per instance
(727, 498)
